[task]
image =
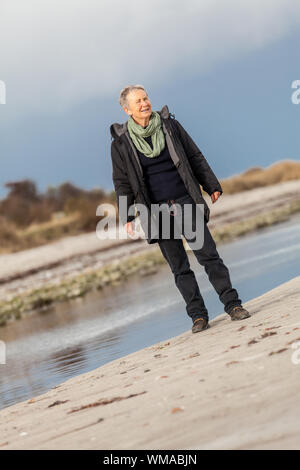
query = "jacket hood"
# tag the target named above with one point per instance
(118, 129)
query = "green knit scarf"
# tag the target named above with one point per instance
(154, 129)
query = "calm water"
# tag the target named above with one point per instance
(83, 334)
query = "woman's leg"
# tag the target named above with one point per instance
(177, 258)
(215, 268)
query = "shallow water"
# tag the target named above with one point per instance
(83, 334)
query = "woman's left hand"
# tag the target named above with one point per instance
(215, 196)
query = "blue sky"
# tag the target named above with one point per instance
(224, 69)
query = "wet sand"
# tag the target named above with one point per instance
(233, 386)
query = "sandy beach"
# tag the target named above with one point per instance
(233, 386)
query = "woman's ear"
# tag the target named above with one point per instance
(126, 110)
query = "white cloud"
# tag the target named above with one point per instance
(56, 53)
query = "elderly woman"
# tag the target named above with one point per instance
(155, 161)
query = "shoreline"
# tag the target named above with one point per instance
(233, 386)
(143, 259)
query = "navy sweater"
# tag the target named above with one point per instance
(161, 176)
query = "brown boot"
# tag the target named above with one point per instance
(200, 324)
(239, 313)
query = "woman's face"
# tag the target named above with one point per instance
(139, 106)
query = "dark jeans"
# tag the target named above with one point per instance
(208, 256)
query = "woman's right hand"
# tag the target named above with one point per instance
(129, 227)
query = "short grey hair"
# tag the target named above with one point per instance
(125, 92)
